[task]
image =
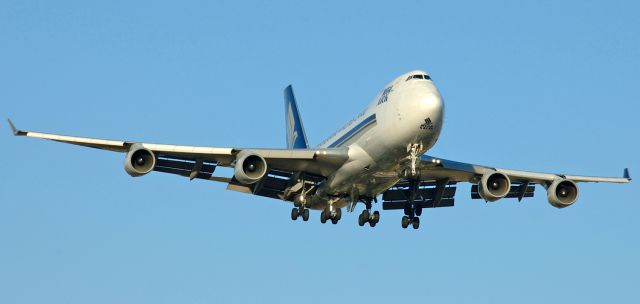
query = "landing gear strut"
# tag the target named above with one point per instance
(412, 210)
(367, 217)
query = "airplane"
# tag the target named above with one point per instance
(379, 154)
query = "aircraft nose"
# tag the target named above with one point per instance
(433, 104)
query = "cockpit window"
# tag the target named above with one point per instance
(419, 77)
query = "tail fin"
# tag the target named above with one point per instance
(296, 138)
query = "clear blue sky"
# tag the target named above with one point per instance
(544, 85)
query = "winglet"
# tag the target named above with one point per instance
(626, 174)
(15, 131)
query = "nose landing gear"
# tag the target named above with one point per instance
(412, 210)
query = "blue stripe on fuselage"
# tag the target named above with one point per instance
(371, 120)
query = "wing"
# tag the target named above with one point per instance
(200, 162)
(438, 168)
(438, 179)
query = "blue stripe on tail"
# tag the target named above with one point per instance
(296, 138)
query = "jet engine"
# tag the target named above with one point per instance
(494, 186)
(139, 161)
(562, 193)
(250, 167)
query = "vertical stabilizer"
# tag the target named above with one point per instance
(296, 138)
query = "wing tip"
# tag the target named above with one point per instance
(626, 174)
(14, 130)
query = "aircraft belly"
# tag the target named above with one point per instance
(370, 177)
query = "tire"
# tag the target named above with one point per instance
(333, 221)
(376, 216)
(416, 223)
(405, 221)
(361, 220)
(418, 210)
(323, 217)
(305, 215)
(366, 214)
(407, 210)
(295, 213)
(372, 224)
(338, 214)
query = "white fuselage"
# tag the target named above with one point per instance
(405, 114)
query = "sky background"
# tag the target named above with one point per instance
(544, 85)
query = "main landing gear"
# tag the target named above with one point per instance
(367, 217)
(414, 221)
(411, 215)
(331, 213)
(412, 210)
(300, 210)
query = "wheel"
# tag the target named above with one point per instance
(405, 221)
(296, 203)
(323, 217)
(366, 214)
(416, 222)
(408, 210)
(305, 215)
(376, 216)
(334, 221)
(361, 220)
(372, 224)
(338, 214)
(295, 213)
(418, 210)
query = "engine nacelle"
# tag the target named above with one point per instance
(250, 167)
(562, 193)
(494, 186)
(139, 161)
